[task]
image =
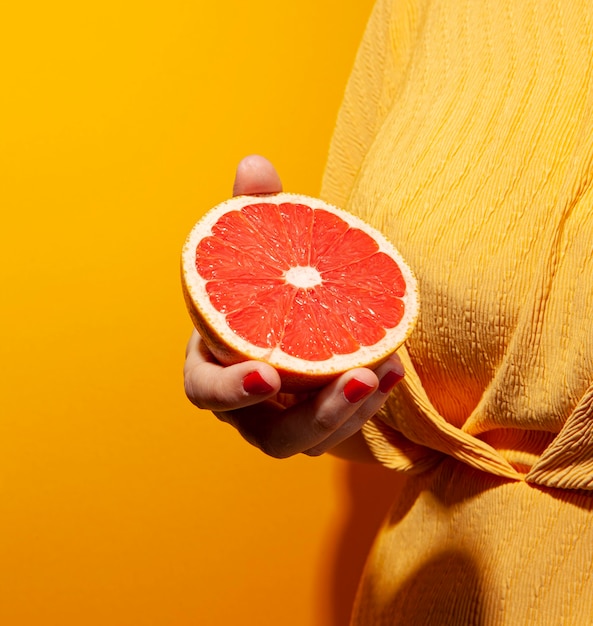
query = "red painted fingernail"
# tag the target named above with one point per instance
(255, 384)
(355, 390)
(389, 381)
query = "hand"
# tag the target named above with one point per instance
(247, 395)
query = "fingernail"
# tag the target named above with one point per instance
(389, 381)
(355, 390)
(255, 384)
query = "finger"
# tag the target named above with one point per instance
(256, 175)
(283, 432)
(389, 374)
(211, 386)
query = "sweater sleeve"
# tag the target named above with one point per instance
(379, 69)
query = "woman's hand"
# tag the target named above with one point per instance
(247, 395)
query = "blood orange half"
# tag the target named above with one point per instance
(298, 283)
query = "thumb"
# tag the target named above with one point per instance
(256, 175)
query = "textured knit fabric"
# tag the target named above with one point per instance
(466, 135)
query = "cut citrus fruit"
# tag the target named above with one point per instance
(298, 283)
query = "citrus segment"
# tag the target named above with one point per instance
(298, 221)
(262, 322)
(376, 273)
(245, 293)
(328, 229)
(296, 282)
(359, 321)
(267, 221)
(217, 260)
(313, 331)
(352, 247)
(236, 230)
(301, 337)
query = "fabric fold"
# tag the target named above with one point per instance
(424, 426)
(568, 462)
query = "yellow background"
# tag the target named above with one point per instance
(120, 503)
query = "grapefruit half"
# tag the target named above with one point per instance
(298, 283)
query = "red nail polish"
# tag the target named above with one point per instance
(355, 390)
(255, 384)
(389, 381)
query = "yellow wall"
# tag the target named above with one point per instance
(120, 504)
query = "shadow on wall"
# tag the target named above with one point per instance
(369, 491)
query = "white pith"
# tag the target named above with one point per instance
(303, 276)
(307, 277)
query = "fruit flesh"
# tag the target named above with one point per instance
(249, 263)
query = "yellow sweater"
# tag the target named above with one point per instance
(466, 135)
